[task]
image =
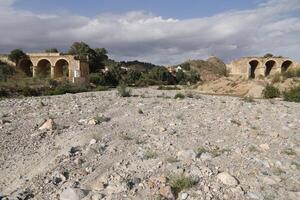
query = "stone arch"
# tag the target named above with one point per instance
(26, 66)
(253, 66)
(285, 65)
(43, 68)
(61, 68)
(270, 64)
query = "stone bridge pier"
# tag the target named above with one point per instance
(55, 65)
(255, 67)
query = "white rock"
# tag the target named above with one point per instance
(92, 122)
(186, 155)
(227, 179)
(264, 147)
(48, 125)
(206, 156)
(270, 180)
(93, 141)
(73, 194)
(97, 196)
(184, 196)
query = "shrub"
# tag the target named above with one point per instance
(53, 83)
(162, 87)
(3, 93)
(123, 91)
(67, 88)
(270, 92)
(293, 94)
(97, 79)
(102, 88)
(6, 71)
(27, 91)
(181, 182)
(179, 96)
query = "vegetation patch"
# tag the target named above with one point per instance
(150, 154)
(293, 94)
(179, 96)
(171, 159)
(162, 87)
(201, 150)
(181, 182)
(66, 87)
(289, 151)
(270, 92)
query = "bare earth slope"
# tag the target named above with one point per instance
(149, 137)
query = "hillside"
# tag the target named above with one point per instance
(211, 69)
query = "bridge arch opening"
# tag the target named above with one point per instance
(43, 68)
(285, 65)
(269, 66)
(26, 66)
(61, 69)
(253, 65)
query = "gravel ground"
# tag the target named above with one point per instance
(149, 146)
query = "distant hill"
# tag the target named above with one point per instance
(211, 69)
(137, 65)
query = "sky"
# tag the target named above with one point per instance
(162, 32)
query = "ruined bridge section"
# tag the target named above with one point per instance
(55, 65)
(255, 67)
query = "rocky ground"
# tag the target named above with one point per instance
(149, 146)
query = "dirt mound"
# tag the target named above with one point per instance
(237, 86)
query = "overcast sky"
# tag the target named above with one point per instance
(161, 32)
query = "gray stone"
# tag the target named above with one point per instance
(186, 155)
(227, 179)
(73, 194)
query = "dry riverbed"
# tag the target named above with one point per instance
(149, 146)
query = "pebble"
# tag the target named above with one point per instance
(184, 196)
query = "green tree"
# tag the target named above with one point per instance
(95, 57)
(51, 50)
(180, 76)
(132, 76)
(102, 53)
(268, 55)
(16, 55)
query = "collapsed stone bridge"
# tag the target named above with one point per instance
(54, 65)
(255, 67)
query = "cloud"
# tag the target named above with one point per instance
(6, 3)
(271, 27)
